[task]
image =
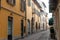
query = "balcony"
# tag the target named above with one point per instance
(52, 5)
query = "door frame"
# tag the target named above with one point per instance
(11, 27)
(22, 31)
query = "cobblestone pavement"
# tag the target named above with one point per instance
(44, 35)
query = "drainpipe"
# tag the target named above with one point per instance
(25, 18)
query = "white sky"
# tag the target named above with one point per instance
(47, 7)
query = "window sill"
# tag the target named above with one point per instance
(11, 4)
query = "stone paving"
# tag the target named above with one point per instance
(44, 35)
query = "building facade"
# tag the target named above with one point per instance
(56, 15)
(19, 18)
(12, 23)
(36, 15)
(44, 21)
(28, 16)
(57, 21)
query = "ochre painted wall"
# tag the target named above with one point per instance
(4, 23)
(15, 8)
(12, 11)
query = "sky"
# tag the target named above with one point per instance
(47, 7)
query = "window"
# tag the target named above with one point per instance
(23, 5)
(29, 2)
(0, 4)
(12, 2)
(33, 6)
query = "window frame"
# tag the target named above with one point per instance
(10, 28)
(29, 2)
(23, 5)
(11, 2)
(0, 4)
(10, 19)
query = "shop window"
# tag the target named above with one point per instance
(11, 2)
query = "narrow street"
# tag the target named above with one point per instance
(29, 19)
(44, 35)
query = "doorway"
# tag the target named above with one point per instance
(32, 25)
(28, 24)
(22, 29)
(36, 26)
(10, 22)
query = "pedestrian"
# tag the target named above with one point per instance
(52, 33)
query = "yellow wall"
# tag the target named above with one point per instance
(4, 23)
(7, 10)
(15, 12)
(15, 8)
